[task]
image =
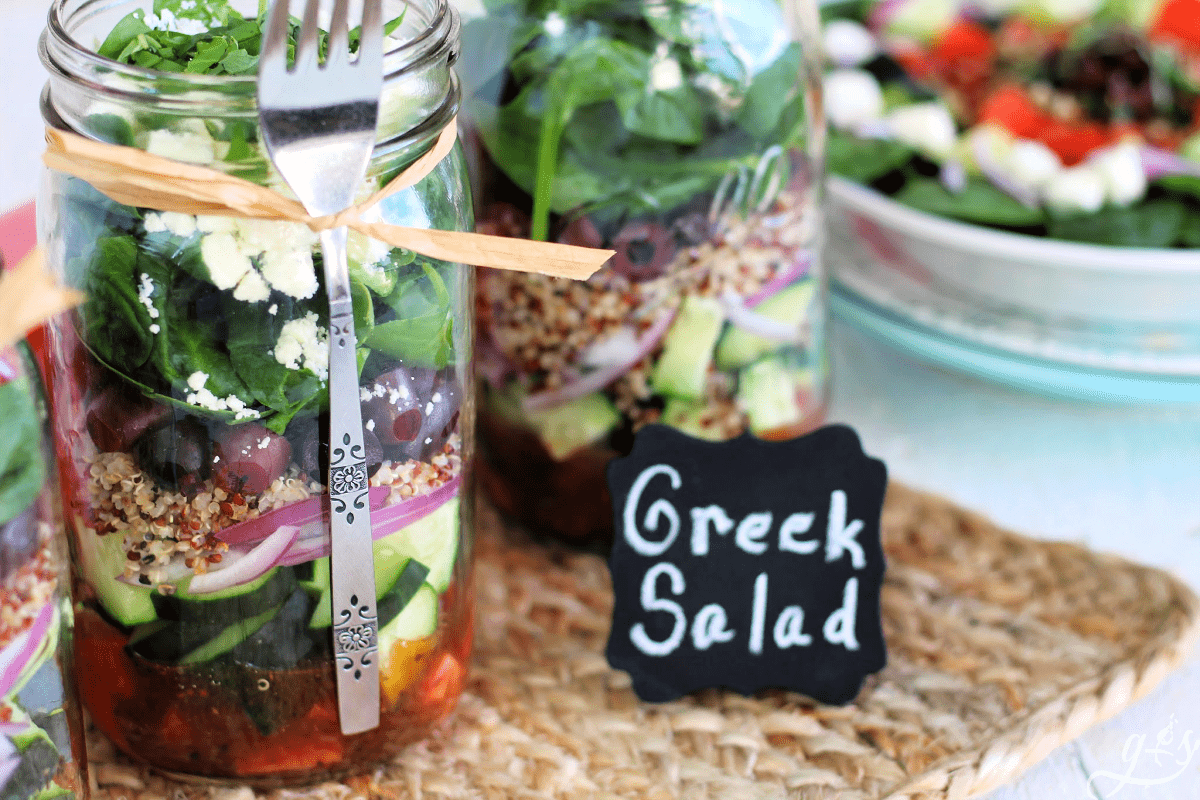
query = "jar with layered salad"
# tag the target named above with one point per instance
(190, 406)
(686, 136)
(41, 732)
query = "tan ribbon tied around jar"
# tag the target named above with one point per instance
(136, 178)
(29, 296)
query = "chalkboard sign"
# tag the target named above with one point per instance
(747, 564)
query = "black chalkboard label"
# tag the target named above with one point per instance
(747, 564)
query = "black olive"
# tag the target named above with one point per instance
(644, 251)
(117, 416)
(249, 458)
(176, 455)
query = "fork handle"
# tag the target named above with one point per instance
(351, 563)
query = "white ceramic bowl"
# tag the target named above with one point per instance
(1125, 311)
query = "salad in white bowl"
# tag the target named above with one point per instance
(1076, 120)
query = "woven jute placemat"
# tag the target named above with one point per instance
(1000, 649)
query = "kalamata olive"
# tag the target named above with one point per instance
(117, 417)
(314, 452)
(248, 458)
(581, 232)
(176, 454)
(18, 541)
(393, 404)
(441, 411)
(644, 250)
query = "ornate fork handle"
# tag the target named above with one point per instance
(352, 570)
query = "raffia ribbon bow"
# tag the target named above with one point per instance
(136, 178)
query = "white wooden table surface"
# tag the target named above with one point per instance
(1121, 479)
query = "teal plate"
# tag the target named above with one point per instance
(1018, 371)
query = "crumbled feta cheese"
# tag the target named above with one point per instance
(370, 425)
(1121, 169)
(926, 126)
(437, 397)
(365, 251)
(145, 295)
(428, 409)
(665, 75)
(290, 271)
(273, 309)
(1079, 188)
(189, 147)
(853, 97)
(1032, 163)
(210, 223)
(252, 288)
(848, 44)
(226, 263)
(154, 328)
(166, 20)
(153, 223)
(197, 380)
(303, 343)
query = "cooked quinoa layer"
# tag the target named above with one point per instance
(164, 530)
(26, 592)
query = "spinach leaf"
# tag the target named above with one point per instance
(1154, 223)
(117, 324)
(771, 94)
(864, 160)
(22, 468)
(979, 202)
(422, 330)
(284, 391)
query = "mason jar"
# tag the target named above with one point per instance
(41, 731)
(686, 136)
(190, 411)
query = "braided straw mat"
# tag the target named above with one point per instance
(1000, 649)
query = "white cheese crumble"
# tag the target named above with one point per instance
(188, 147)
(853, 97)
(927, 127)
(145, 293)
(1079, 188)
(226, 263)
(1032, 163)
(555, 25)
(665, 75)
(370, 425)
(154, 328)
(252, 288)
(303, 343)
(847, 43)
(1121, 169)
(273, 309)
(290, 271)
(166, 20)
(197, 380)
(203, 398)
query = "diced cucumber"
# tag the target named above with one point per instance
(102, 559)
(431, 540)
(168, 640)
(396, 580)
(688, 416)
(576, 423)
(229, 637)
(417, 620)
(738, 347)
(237, 602)
(410, 580)
(769, 391)
(682, 369)
(283, 641)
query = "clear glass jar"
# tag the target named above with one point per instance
(190, 417)
(41, 732)
(687, 136)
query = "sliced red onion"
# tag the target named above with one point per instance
(953, 176)
(248, 566)
(597, 379)
(298, 514)
(994, 171)
(13, 729)
(314, 543)
(1159, 163)
(753, 322)
(17, 654)
(798, 269)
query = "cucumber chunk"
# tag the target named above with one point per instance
(576, 423)
(283, 641)
(229, 637)
(682, 369)
(410, 580)
(738, 347)
(396, 580)
(770, 392)
(417, 620)
(238, 602)
(689, 416)
(432, 540)
(102, 559)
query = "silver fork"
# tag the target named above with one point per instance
(318, 124)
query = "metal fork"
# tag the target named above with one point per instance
(318, 124)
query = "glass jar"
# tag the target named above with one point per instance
(686, 136)
(41, 732)
(191, 421)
